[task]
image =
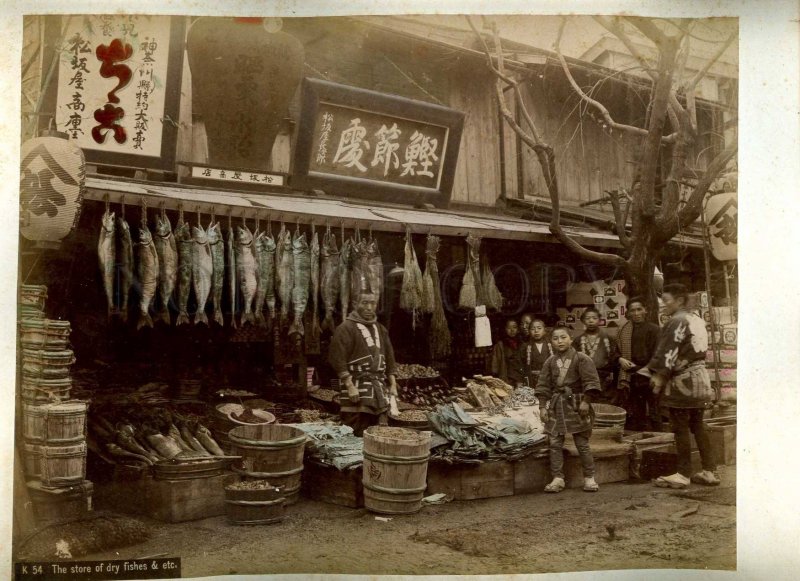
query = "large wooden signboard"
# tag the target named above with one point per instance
(118, 88)
(359, 143)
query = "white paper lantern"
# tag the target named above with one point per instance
(52, 175)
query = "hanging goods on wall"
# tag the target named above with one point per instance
(52, 174)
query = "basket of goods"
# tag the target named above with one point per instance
(250, 416)
(410, 418)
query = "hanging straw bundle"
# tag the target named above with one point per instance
(411, 291)
(428, 296)
(494, 300)
(472, 294)
(439, 332)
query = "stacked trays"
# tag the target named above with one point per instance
(53, 426)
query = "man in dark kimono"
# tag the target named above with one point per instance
(637, 342)
(678, 370)
(362, 357)
(535, 351)
(567, 385)
(603, 352)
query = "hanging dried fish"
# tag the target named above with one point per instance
(358, 273)
(262, 269)
(411, 291)
(285, 265)
(265, 254)
(329, 283)
(167, 252)
(106, 254)
(494, 300)
(375, 269)
(312, 343)
(440, 338)
(125, 266)
(344, 276)
(230, 254)
(202, 269)
(246, 271)
(300, 282)
(183, 237)
(217, 247)
(148, 275)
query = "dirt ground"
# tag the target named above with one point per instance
(532, 533)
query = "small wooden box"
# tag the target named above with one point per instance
(663, 461)
(471, 481)
(54, 504)
(723, 441)
(328, 484)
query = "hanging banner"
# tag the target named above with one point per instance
(118, 88)
(722, 219)
(365, 144)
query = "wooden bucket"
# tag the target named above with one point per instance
(62, 465)
(608, 416)
(26, 313)
(46, 364)
(254, 507)
(395, 469)
(54, 423)
(40, 391)
(47, 334)
(272, 452)
(33, 296)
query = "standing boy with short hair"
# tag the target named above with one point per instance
(567, 385)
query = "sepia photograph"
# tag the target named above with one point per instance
(374, 294)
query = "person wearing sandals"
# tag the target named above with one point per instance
(567, 384)
(678, 373)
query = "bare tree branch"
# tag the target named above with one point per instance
(614, 26)
(702, 72)
(650, 30)
(596, 104)
(621, 222)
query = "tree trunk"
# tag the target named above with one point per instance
(639, 276)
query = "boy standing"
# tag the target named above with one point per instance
(535, 351)
(567, 385)
(603, 352)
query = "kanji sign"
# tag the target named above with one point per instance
(722, 217)
(118, 88)
(357, 142)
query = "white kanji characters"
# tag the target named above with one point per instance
(421, 151)
(322, 150)
(386, 147)
(351, 142)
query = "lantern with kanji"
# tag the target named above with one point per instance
(722, 221)
(52, 174)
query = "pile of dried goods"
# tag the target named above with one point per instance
(308, 416)
(411, 370)
(324, 394)
(247, 416)
(412, 416)
(250, 485)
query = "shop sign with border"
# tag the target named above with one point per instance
(359, 143)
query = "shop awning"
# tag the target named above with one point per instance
(321, 210)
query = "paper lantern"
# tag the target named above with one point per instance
(722, 221)
(244, 75)
(51, 183)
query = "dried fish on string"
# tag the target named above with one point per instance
(494, 300)
(246, 270)
(374, 268)
(300, 281)
(106, 254)
(440, 339)
(471, 294)
(217, 270)
(285, 271)
(344, 275)
(148, 275)
(411, 291)
(183, 237)
(312, 341)
(259, 246)
(125, 265)
(167, 252)
(230, 253)
(358, 273)
(202, 266)
(329, 278)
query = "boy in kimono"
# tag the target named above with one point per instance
(363, 359)
(567, 385)
(535, 351)
(505, 362)
(603, 352)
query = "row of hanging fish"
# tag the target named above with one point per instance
(255, 271)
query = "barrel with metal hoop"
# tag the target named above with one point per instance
(395, 469)
(273, 452)
(45, 390)
(254, 506)
(33, 297)
(48, 334)
(46, 364)
(55, 423)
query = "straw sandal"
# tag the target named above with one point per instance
(676, 480)
(706, 477)
(590, 485)
(557, 485)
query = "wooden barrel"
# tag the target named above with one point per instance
(26, 313)
(41, 391)
(395, 469)
(272, 452)
(608, 416)
(33, 296)
(48, 334)
(46, 364)
(254, 506)
(63, 465)
(54, 423)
